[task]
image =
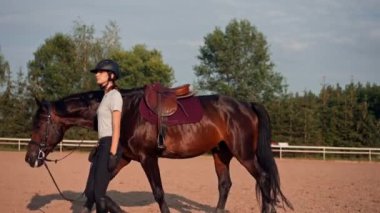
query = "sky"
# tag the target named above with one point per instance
(311, 43)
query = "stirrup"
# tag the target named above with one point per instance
(160, 143)
(161, 147)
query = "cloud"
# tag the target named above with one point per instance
(291, 45)
(374, 34)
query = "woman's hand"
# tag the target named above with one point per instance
(113, 160)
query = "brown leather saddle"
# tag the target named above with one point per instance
(162, 100)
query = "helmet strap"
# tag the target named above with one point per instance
(110, 83)
(108, 86)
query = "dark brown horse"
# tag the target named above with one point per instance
(228, 129)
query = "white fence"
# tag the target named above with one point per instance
(19, 142)
(372, 153)
(281, 149)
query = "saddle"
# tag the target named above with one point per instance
(163, 101)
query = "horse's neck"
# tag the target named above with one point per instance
(79, 112)
(82, 119)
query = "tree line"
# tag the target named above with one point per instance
(234, 61)
(337, 116)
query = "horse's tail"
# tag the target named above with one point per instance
(269, 184)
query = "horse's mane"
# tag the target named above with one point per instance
(132, 97)
(132, 92)
(66, 104)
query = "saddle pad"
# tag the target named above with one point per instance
(189, 111)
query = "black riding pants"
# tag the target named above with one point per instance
(99, 176)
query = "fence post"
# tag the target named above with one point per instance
(324, 153)
(60, 146)
(19, 144)
(280, 152)
(369, 153)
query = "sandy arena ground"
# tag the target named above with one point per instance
(191, 185)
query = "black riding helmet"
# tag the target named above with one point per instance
(107, 65)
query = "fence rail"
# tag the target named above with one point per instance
(328, 150)
(19, 142)
(371, 153)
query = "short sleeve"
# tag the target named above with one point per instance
(116, 101)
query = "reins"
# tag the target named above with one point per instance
(53, 179)
(59, 190)
(67, 155)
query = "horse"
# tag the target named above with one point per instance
(228, 128)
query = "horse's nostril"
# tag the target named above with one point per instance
(30, 160)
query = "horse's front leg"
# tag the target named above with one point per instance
(152, 171)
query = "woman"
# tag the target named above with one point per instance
(105, 160)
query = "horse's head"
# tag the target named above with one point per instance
(47, 132)
(52, 119)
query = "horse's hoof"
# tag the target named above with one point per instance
(161, 147)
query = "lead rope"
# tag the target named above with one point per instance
(72, 151)
(59, 190)
(55, 182)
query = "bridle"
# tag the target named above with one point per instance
(43, 145)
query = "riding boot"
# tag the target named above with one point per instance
(101, 206)
(89, 204)
(112, 206)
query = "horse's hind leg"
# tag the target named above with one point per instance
(152, 171)
(262, 183)
(222, 157)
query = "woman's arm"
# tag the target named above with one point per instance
(116, 120)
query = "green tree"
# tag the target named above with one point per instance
(141, 66)
(15, 115)
(85, 48)
(237, 63)
(311, 134)
(4, 69)
(350, 107)
(371, 94)
(90, 50)
(110, 41)
(19, 104)
(368, 115)
(52, 73)
(5, 96)
(61, 65)
(295, 119)
(87, 52)
(281, 111)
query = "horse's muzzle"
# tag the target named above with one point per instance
(34, 160)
